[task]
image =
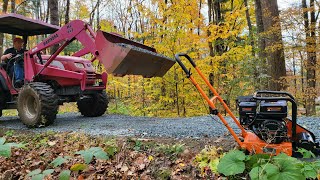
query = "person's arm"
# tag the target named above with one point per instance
(6, 55)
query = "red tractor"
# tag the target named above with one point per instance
(51, 80)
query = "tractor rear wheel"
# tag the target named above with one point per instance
(37, 104)
(93, 106)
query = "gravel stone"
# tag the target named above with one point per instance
(121, 125)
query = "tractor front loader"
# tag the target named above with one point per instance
(51, 80)
(264, 123)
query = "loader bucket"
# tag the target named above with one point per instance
(121, 57)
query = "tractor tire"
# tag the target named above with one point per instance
(2, 100)
(37, 104)
(94, 106)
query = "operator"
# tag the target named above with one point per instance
(17, 68)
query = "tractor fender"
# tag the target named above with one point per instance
(3, 84)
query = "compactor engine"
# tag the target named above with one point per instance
(267, 119)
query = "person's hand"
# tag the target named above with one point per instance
(8, 56)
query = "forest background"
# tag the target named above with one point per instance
(241, 46)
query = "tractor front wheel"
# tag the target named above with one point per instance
(37, 104)
(93, 105)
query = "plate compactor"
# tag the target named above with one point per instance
(264, 123)
(50, 80)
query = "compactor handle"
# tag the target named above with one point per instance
(177, 56)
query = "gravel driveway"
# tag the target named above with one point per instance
(120, 125)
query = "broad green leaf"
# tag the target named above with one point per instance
(305, 153)
(270, 169)
(80, 152)
(87, 157)
(86, 154)
(47, 172)
(5, 150)
(288, 168)
(94, 149)
(309, 171)
(2, 140)
(317, 165)
(34, 172)
(38, 177)
(78, 167)
(232, 163)
(64, 175)
(15, 145)
(257, 160)
(58, 161)
(101, 155)
(257, 173)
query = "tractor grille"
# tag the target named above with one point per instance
(91, 76)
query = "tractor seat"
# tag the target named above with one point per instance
(3, 65)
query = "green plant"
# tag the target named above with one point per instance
(260, 166)
(163, 173)
(59, 160)
(9, 133)
(65, 175)
(5, 148)
(171, 150)
(305, 153)
(208, 158)
(232, 163)
(111, 148)
(97, 152)
(39, 175)
(137, 145)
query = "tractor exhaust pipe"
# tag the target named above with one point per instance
(122, 57)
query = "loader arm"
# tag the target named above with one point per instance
(119, 56)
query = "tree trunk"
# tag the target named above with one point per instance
(4, 10)
(274, 44)
(48, 12)
(98, 14)
(249, 26)
(309, 26)
(210, 22)
(54, 19)
(261, 69)
(67, 17)
(13, 8)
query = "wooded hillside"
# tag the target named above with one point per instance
(240, 45)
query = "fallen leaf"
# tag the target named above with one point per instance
(124, 168)
(140, 162)
(80, 177)
(150, 158)
(78, 167)
(52, 143)
(118, 166)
